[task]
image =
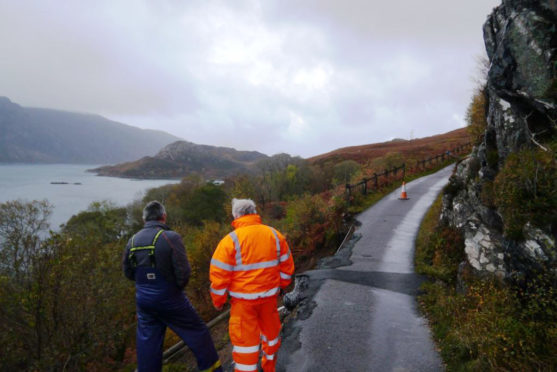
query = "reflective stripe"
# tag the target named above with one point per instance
(152, 246)
(213, 367)
(157, 236)
(222, 265)
(269, 357)
(245, 367)
(257, 265)
(245, 349)
(276, 242)
(219, 292)
(253, 296)
(285, 256)
(285, 276)
(247, 267)
(272, 342)
(237, 247)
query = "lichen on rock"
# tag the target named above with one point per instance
(521, 42)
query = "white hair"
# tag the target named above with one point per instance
(241, 207)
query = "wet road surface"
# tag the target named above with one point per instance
(359, 311)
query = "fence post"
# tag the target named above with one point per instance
(365, 186)
(375, 180)
(403, 171)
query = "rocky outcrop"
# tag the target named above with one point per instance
(521, 42)
(183, 158)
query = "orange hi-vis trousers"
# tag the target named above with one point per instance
(254, 322)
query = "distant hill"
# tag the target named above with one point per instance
(182, 158)
(34, 135)
(419, 148)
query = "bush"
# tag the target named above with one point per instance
(492, 326)
(439, 248)
(525, 191)
(344, 171)
(71, 309)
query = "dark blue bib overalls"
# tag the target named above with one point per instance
(161, 304)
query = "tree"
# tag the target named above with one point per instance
(344, 171)
(476, 115)
(20, 225)
(64, 303)
(206, 203)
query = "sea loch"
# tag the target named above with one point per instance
(68, 187)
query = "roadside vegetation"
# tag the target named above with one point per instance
(482, 324)
(64, 302)
(485, 323)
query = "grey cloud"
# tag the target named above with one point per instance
(304, 77)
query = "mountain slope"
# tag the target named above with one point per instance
(182, 158)
(419, 148)
(34, 135)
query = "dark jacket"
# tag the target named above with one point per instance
(170, 254)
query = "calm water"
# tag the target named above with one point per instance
(33, 182)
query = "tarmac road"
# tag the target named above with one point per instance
(359, 311)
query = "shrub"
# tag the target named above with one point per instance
(344, 171)
(525, 191)
(439, 248)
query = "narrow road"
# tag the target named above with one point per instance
(360, 311)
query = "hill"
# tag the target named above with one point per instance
(182, 158)
(35, 135)
(416, 149)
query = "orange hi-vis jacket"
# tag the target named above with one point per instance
(252, 262)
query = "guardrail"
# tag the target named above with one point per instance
(394, 171)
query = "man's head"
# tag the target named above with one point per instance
(154, 211)
(241, 207)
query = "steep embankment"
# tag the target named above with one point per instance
(503, 197)
(33, 135)
(182, 158)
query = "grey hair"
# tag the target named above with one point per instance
(153, 211)
(241, 207)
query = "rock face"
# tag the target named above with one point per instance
(521, 41)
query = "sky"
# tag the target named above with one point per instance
(303, 77)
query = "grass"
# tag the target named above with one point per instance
(484, 325)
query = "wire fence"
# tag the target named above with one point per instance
(377, 180)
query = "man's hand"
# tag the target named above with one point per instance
(219, 308)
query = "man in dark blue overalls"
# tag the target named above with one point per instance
(155, 258)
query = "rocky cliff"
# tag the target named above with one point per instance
(502, 196)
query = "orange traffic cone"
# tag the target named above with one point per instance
(403, 195)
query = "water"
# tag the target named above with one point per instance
(33, 182)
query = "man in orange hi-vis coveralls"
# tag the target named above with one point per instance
(252, 264)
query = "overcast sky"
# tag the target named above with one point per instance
(303, 76)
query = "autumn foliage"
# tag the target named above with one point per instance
(64, 302)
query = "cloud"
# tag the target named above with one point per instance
(303, 77)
